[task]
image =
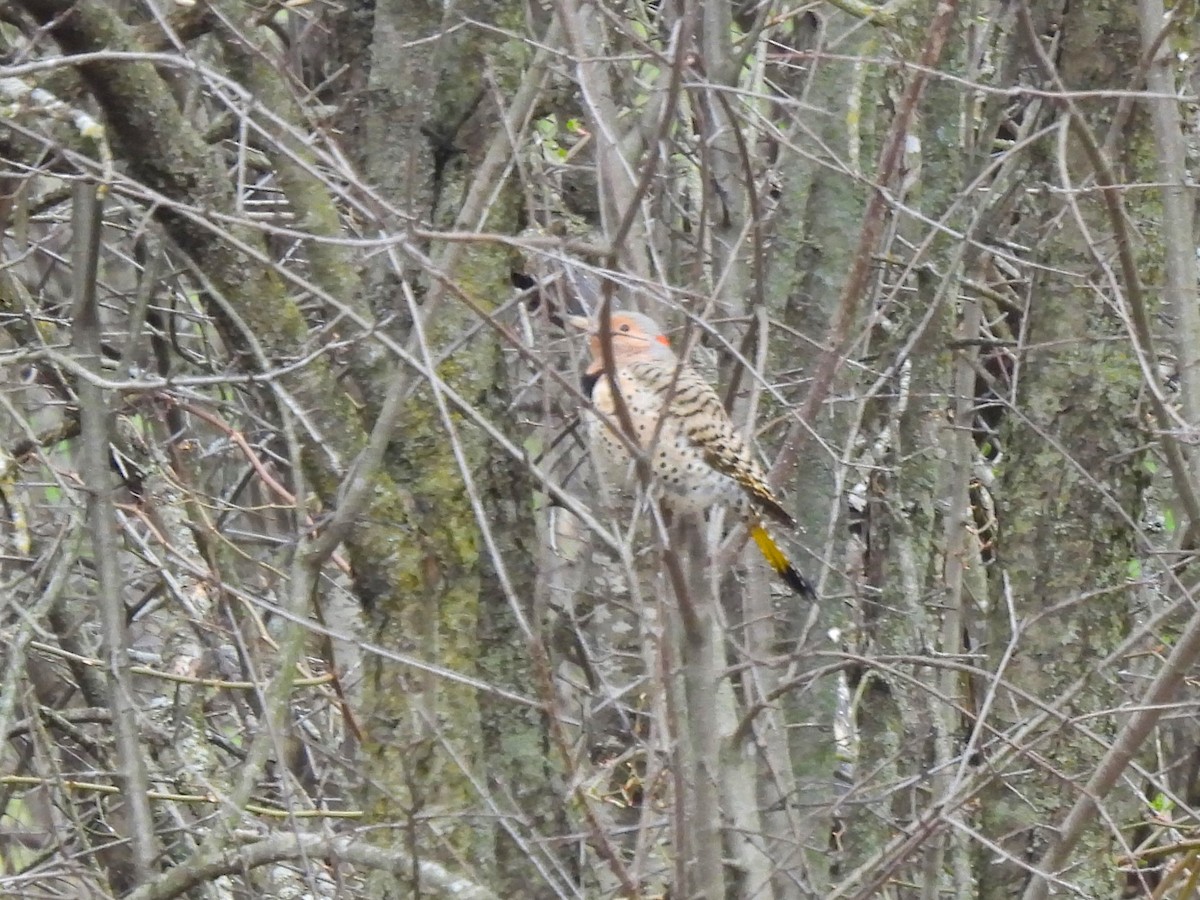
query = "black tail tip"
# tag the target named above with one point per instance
(798, 583)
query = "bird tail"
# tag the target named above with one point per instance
(778, 561)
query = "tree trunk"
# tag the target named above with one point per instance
(1070, 496)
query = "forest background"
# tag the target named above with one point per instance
(311, 586)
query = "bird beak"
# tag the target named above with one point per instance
(583, 323)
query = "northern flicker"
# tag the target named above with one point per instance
(678, 420)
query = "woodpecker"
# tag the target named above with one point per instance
(678, 421)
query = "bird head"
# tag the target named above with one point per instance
(635, 338)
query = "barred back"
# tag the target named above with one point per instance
(697, 426)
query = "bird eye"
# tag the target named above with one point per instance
(625, 327)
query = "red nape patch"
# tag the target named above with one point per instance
(662, 339)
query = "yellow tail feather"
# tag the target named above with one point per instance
(778, 561)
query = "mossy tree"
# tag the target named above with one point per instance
(352, 612)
